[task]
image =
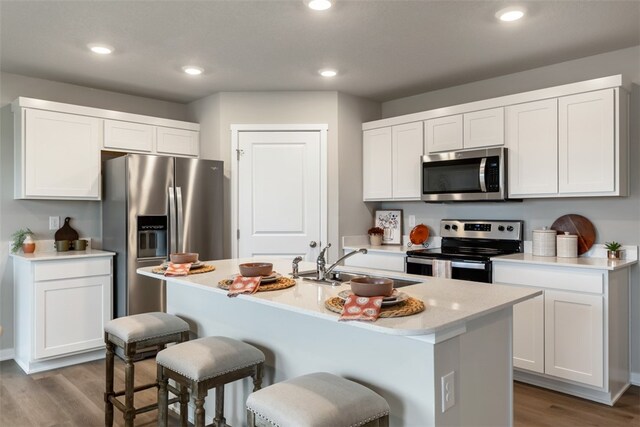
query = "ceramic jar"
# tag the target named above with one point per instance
(375, 239)
(28, 245)
(567, 245)
(544, 242)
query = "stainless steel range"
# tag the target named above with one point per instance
(469, 245)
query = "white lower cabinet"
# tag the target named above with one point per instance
(61, 308)
(528, 334)
(575, 337)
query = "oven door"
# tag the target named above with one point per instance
(475, 271)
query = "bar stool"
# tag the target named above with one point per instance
(204, 364)
(132, 334)
(317, 400)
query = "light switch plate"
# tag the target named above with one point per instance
(412, 220)
(54, 222)
(448, 391)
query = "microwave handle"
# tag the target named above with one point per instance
(481, 177)
(454, 264)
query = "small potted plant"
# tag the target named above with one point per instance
(375, 236)
(613, 250)
(23, 238)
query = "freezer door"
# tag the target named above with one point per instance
(149, 181)
(199, 207)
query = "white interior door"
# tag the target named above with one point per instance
(279, 194)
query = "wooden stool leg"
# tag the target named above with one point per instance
(129, 372)
(108, 394)
(384, 421)
(219, 420)
(251, 419)
(199, 415)
(163, 398)
(184, 405)
(257, 377)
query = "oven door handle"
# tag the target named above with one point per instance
(470, 265)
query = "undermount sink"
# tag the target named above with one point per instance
(337, 277)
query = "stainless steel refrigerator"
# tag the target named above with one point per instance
(153, 206)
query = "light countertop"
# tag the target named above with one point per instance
(48, 256)
(580, 262)
(449, 303)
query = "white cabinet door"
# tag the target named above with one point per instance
(70, 315)
(528, 334)
(532, 139)
(177, 141)
(127, 136)
(574, 347)
(376, 164)
(62, 156)
(443, 134)
(587, 142)
(407, 142)
(484, 128)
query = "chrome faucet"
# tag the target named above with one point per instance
(322, 271)
(321, 262)
(294, 267)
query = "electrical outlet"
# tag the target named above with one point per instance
(448, 391)
(412, 220)
(54, 222)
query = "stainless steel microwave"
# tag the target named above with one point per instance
(462, 176)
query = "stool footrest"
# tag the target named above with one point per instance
(136, 389)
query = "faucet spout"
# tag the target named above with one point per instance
(342, 258)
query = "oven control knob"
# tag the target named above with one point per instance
(501, 228)
(510, 228)
(447, 227)
(454, 227)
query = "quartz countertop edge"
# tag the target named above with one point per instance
(48, 256)
(579, 262)
(449, 303)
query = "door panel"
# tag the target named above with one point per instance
(200, 204)
(279, 193)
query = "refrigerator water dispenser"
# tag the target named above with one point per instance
(152, 236)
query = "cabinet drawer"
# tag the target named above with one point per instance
(569, 279)
(65, 269)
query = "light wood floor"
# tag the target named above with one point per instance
(72, 396)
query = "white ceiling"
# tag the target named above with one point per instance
(382, 49)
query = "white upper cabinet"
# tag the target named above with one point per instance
(127, 136)
(376, 164)
(484, 128)
(57, 156)
(587, 146)
(443, 134)
(532, 141)
(406, 160)
(391, 162)
(177, 141)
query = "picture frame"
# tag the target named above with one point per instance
(390, 220)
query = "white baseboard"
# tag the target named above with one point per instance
(635, 378)
(7, 354)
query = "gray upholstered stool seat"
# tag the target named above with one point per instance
(134, 334)
(317, 400)
(204, 364)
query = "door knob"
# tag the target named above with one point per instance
(313, 244)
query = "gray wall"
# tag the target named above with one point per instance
(15, 214)
(616, 218)
(216, 114)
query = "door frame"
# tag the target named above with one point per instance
(322, 129)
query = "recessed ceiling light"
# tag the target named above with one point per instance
(319, 4)
(328, 73)
(192, 70)
(101, 49)
(510, 14)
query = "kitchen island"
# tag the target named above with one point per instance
(465, 330)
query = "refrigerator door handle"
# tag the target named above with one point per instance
(172, 216)
(180, 221)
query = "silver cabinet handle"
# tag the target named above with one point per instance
(313, 244)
